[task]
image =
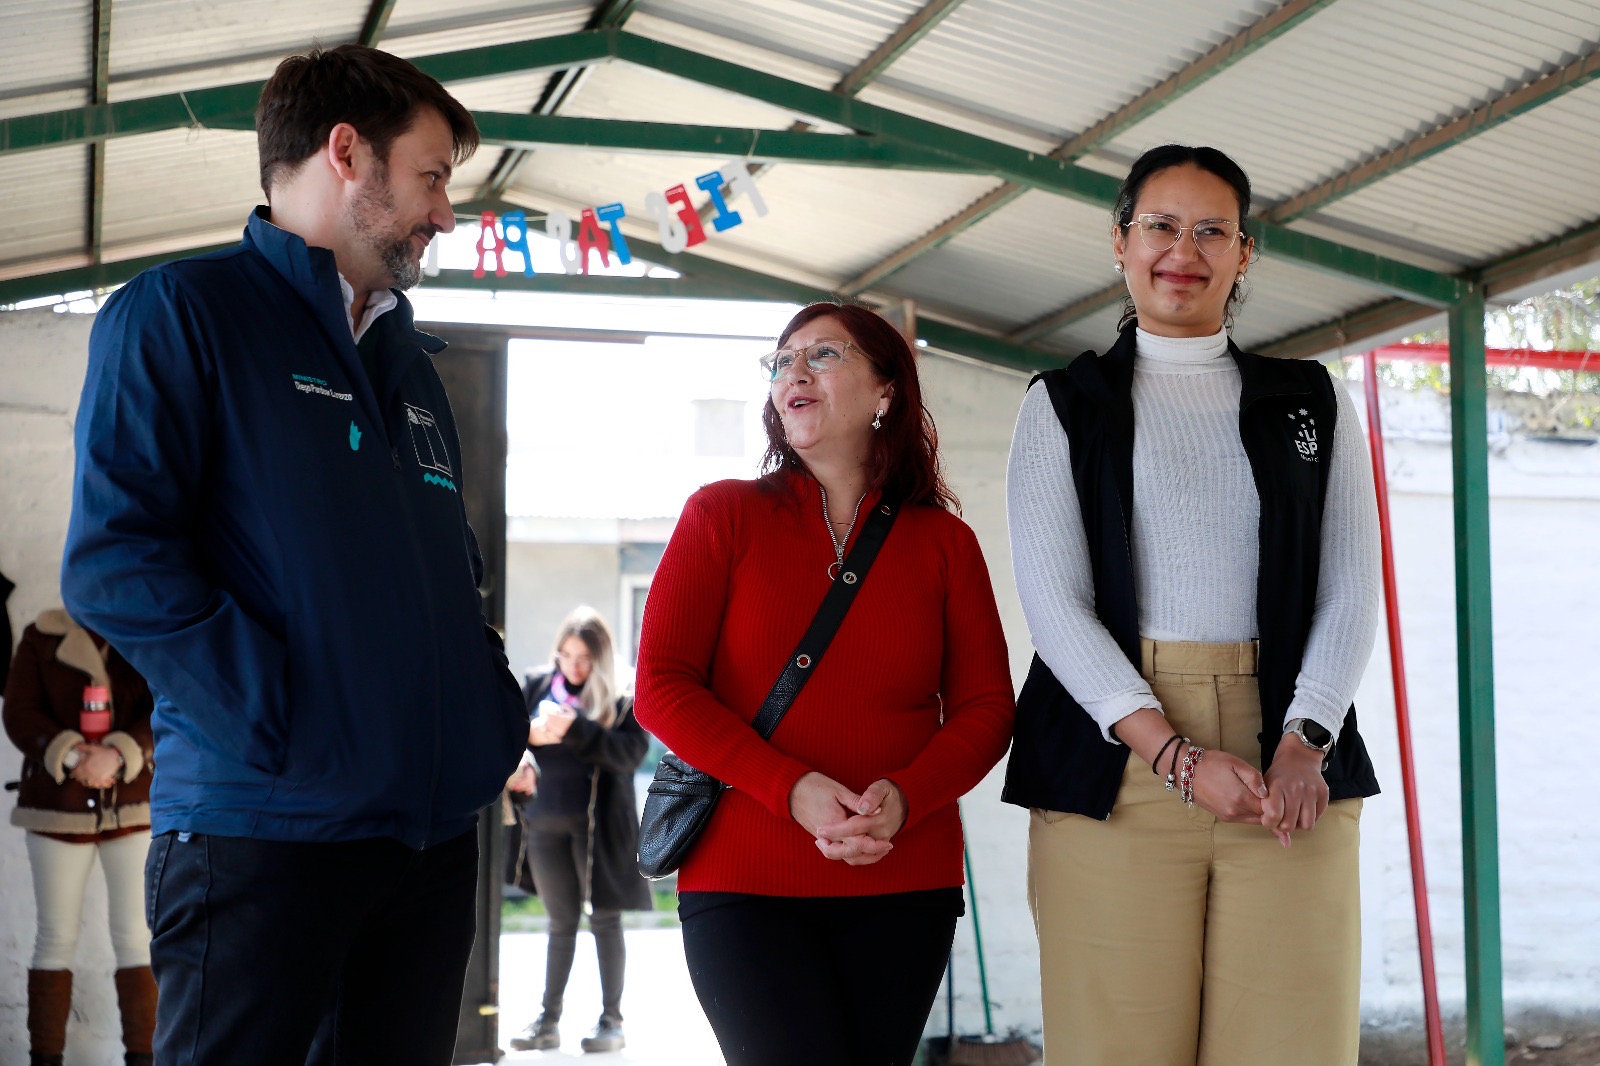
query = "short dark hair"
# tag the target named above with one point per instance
(905, 453)
(377, 93)
(1153, 162)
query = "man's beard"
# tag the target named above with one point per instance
(370, 215)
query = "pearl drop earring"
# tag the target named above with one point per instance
(1117, 266)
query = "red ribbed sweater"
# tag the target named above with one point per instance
(739, 583)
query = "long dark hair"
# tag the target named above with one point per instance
(904, 461)
(1211, 160)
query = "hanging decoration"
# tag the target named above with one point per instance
(599, 232)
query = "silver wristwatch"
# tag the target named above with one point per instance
(1312, 734)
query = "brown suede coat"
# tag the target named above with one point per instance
(55, 659)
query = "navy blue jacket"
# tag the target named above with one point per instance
(282, 551)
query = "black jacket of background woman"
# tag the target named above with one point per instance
(613, 755)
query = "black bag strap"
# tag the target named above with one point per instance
(803, 663)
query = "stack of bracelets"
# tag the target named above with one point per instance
(1181, 781)
(1191, 760)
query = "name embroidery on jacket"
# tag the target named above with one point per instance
(318, 387)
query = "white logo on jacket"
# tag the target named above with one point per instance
(427, 441)
(1305, 438)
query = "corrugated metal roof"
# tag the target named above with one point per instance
(170, 45)
(45, 193)
(1526, 181)
(1034, 256)
(1361, 76)
(179, 182)
(1349, 82)
(45, 67)
(835, 34)
(1056, 68)
(425, 27)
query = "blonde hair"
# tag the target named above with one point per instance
(599, 697)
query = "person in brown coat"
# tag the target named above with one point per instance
(82, 796)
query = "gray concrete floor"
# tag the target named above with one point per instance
(662, 1019)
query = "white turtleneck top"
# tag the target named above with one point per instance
(1194, 537)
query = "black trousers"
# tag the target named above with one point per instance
(558, 850)
(257, 945)
(789, 981)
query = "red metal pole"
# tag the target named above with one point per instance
(1402, 713)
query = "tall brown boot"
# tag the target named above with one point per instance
(136, 996)
(49, 1003)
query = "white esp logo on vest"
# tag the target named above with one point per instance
(1306, 439)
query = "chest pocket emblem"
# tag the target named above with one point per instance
(1305, 436)
(427, 442)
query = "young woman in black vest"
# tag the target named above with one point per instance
(1196, 548)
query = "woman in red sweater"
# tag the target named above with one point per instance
(819, 904)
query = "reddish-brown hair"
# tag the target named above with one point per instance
(905, 453)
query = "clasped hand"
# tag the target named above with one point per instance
(1291, 795)
(97, 767)
(855, 829)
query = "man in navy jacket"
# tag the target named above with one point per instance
(267, 523)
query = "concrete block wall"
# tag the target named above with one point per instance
(42, 360)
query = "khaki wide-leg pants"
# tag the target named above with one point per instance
(1168, 938)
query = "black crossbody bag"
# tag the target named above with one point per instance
(680, 799)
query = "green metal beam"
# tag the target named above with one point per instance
(233, 106)
(1347, 331)
(1480, 855)
(1391, 275)
(972, 343)
(1496, 112)
(992, 156)
(1014, 164)
(558, 89)
(1575, 249)
(824, 149)
(1261, 32)
(870, 69)
(1080, 308)
(376, 22)
(87, 278)
(899, 43)
(100, 92)
(681, 288)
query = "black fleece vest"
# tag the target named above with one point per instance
(1059, 760)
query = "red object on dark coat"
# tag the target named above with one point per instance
(915, 687)
(44, 696)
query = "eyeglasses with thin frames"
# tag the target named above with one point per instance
(1160, 233)
(820, 357)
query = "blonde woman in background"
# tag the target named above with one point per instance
(581, 821)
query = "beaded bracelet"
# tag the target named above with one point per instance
(1172, 766)
(1154, 763)
(1191, 760)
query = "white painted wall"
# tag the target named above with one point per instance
(544, 582)
(42, 360)
(1545, 515)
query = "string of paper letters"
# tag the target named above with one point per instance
(677, 221)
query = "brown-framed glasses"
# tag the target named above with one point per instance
(1213, 236)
